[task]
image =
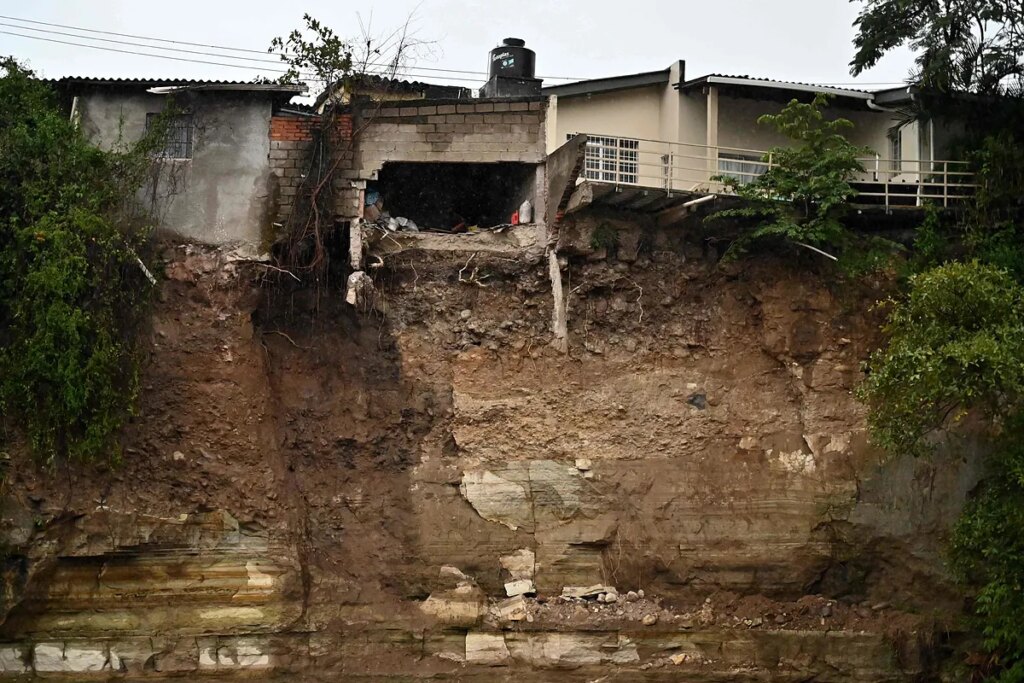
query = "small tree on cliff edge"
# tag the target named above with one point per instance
(318, 54)
(804, 194)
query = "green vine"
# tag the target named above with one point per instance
(72, 235)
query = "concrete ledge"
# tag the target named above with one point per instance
(513, 241)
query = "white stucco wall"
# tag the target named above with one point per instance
(220, 196)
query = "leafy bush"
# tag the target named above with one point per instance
(74, 292)
(988, 551)
(956, 343)
(957, 346)
(804, 194)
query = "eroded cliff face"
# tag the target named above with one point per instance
(410, 492)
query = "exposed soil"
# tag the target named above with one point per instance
(730, 475)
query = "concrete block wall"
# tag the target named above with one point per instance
(442, 131)
(291, 143)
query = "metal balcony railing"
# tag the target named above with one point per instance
(682, 167)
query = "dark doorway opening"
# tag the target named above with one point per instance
(456, 197)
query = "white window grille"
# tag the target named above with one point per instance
(744, 168)
(611, 159)
(178, 144)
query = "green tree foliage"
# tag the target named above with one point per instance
(73, 291)
(960, 45)
(956, 344)
(315, 51)
(956, 348)
(805, 193)
(993, 225)
(988, 551)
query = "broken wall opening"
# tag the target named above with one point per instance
(454, 197)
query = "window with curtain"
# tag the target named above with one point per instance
(745, 168)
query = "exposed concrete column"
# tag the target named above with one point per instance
(712, 131)
(551, 125)
(559, 319)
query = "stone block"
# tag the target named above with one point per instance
(474, 118)
(518, 106)
(484, 107)
(69, 658)
(426, 111)
(455, 118)
(465, 108)
(12, 659)
(446, 109)
(488, 649)
(519, 587)
(520, 565)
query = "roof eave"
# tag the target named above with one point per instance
(612, 84)
(773, 85)
(272, 88)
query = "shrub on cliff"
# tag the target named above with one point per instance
(956, 348)
(73, 289)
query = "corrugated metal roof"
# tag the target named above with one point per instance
(756, 81)
(178, 83)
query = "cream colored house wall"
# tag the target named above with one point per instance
(634, 113)
(661, 113)
(738, 127)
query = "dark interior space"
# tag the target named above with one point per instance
(454, 197)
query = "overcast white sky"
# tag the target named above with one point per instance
(803, 40)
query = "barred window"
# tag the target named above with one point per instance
(179, 135)
(610, 159)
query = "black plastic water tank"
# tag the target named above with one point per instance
(512, 59)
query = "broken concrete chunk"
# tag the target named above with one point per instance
(513, 609)
(583, 464)
(585, 591)
(487, 648)
(520, 587)
(361, 293)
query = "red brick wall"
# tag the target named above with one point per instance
(300, 128)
